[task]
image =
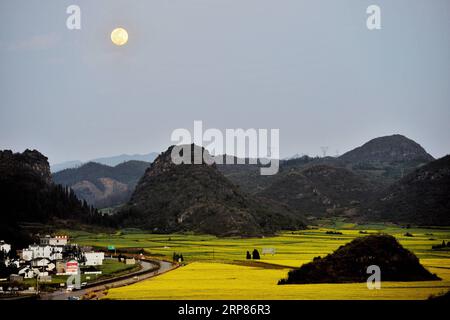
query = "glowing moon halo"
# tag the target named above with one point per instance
(119, 36)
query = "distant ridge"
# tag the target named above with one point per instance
(388, 149)
(320, 190)
(65, 165)
(116, 160)
(109, 161)
(102, 185)
(381, 161)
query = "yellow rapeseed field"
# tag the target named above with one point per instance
(216, 266)
(220, 281)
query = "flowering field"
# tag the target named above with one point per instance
(219, 281)
(217, 267)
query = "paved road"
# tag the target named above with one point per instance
(146, 266)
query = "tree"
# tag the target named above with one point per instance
(256, 255)
(249, 256)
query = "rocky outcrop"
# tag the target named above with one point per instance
(27, 194)
(30, 161)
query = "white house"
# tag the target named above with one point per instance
(36, 251)
(27, 272)
(51, 266)
(12, 262)
(58, 241)
(40, 262)
(94, 258)
(5, 247)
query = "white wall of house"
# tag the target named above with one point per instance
(35, 251)
(54, 241)
(13, 262)
(5, 247)
(40, 262)
(27, 255)
(94, 258)
(27, 273)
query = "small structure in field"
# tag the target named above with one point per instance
(270, 251)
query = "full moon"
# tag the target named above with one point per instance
(119, 36)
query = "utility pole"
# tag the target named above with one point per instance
(37, 284)
(324, 151)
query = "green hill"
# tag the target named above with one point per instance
(349, 263)
(198, 198)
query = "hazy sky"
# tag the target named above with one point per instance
(310, 68)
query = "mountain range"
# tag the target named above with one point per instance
(422, 197)
(108, 161)
(320, 190)
(389, 178)
(101, 185)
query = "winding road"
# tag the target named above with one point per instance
(147, 271)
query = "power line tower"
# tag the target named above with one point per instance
(324, 151)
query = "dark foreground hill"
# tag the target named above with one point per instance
(320, 190)
(27, 194)
(349, 263)
(422, 197)
(198, 198)
(101, 185)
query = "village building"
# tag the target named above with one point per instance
(35, 251)
(94, 258)
(60, 267)
(57, 241)
(52, 256)
(51, 267)
(45, 278)
(6, 248)
(15, 278)
(40, 262)
(12, 263)
(27, 272)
